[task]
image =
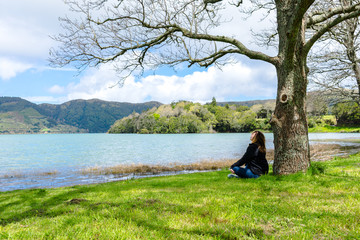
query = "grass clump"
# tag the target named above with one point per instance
(317, 168)
(324, 203)
(145, 169)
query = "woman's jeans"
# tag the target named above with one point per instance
(244, 172)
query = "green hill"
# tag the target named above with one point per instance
(20, 116)
(93, 115)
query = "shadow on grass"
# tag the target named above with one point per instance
(153, 222)
(43, 202)
(32, 201)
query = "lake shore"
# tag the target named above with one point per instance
(68, 160)
(318, 152)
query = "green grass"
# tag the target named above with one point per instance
(324, 203)
(327, 123)
(335, 129)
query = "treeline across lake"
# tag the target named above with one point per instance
(189, 117)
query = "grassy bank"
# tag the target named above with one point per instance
(334, 129)
(322, 204)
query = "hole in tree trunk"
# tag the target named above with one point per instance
(284, 98)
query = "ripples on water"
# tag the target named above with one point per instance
(37, 161)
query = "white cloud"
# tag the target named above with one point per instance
(23, 40)
(233, 82)
(56, 89)
(10, 68)
(25, 27)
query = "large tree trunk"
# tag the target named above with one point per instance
(289, 119)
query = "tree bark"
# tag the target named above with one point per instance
(289, 121)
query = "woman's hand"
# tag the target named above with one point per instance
(232, 171)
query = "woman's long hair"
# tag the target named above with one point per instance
(259, 139)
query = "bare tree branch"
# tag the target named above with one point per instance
(89, 42)
(326, 27)
(317, 17)
(335, 66)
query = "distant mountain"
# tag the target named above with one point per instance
(20, 116)
(247, 103)
(93, 115)
(11, 104)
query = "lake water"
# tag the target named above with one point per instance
(23, 158)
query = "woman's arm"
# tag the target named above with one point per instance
(249, 154)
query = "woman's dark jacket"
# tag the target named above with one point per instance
(254, 159)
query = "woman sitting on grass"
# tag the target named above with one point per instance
(254, 159)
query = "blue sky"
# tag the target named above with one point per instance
(25, 27)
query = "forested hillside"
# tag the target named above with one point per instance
(20, 116)
(93, 115)
(188, 117)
